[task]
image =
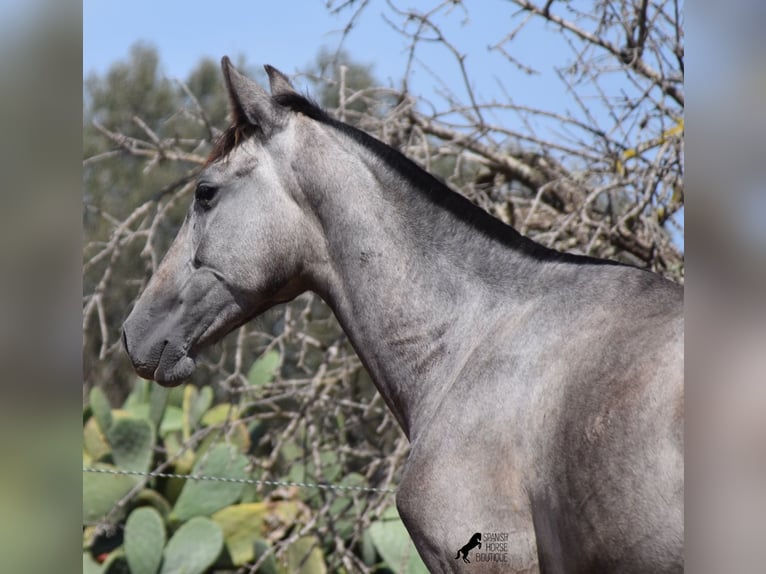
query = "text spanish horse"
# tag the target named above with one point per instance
(542, 392)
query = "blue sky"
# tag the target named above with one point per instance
(288, 35)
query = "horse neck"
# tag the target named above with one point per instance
(414, 279)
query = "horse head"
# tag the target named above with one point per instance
(243, 246)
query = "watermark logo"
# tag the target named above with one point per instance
(472, 543)
(495, 547)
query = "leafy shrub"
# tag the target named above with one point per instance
(165, 524)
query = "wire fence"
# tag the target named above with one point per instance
(273, 483)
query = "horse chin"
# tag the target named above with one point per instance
(173, 369)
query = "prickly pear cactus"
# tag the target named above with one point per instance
(193, 548)
(100, 492)
(202, 498)
(132, 441)
(264, 368)
(304, 556)
(195, 404)
(144, 540)
(394, 545)
(101, 409)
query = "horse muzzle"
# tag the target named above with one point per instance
(164, 360)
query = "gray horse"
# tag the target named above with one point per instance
(542, 392)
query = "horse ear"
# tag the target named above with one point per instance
(250, 103)
(280, 84)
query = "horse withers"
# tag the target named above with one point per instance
(542, 392)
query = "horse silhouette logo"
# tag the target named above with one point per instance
(472, 543)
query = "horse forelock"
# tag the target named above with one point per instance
(232, 136)
(241, 130)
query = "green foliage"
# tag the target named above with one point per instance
(244, 525)
(129, 442)
(102, 491)
(212, 524)
(151, 498)
(202, 498)
(95, 445)
(193, 548)
(342, 511)
(144, 540)
(392, 542)
(270, 565)
(89, 565)
(102, 412)
(264, 368)
(195, 404)
(129, 438)
(305, 557)
(158, 399)
(132, 442)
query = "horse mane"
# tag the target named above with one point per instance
(433, 188)
(240, 130)
(303, 105)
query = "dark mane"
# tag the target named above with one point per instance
(433, 188)
(303, 105)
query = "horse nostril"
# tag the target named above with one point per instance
(125, 341)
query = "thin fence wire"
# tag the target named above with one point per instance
(274, 483)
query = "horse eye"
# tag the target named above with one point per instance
(204, 194)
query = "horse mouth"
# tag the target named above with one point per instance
(163, 341)
(167, 364)
(174, 367)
